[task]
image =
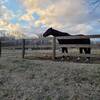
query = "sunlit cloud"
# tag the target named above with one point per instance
(57, 14)
(3, 23)
(35, 16)
(27, 17)
(13, 27)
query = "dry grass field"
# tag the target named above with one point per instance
(40, 79)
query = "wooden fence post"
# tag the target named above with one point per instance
(54, 48)
(0, 47)
(23, 48)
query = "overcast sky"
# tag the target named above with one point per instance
(35, 16)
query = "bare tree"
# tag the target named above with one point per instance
(94, 4)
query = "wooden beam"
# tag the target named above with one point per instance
(23, 48)
(54, 48)
(0, 48)
(79, 45)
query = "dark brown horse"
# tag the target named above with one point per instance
(56, 33)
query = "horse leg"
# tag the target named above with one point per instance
(63, 50)
(88, 51)
(66, 49)
(81, 51)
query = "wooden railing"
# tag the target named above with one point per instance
(56, 45)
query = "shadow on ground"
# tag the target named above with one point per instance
(65, 59)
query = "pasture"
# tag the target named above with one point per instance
(24, 79)
(47, 55)
(39, 77)
(50, 49)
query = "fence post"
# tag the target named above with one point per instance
(54, 48)
(0, 47)
(23, 48)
